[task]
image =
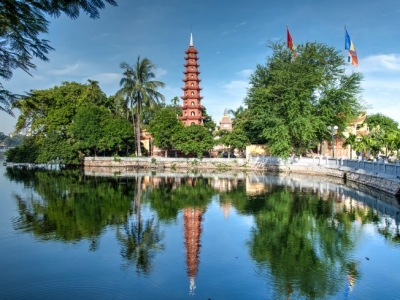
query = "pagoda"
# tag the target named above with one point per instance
(192, 110)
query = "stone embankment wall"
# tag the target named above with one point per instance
(381, 182)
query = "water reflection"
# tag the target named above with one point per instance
(302, 242)
(141, 239)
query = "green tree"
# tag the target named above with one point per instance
(25, 153)
(139, 90)
(95, 94)
(208, 122)
(87, 128)
(54, 148)
(163, 126)
(236, 139)
(381, 121)
(47, 114)
(117, 135)
(292, 102)
(193, 139)
(21, 25)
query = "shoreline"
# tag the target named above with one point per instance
(123, 166)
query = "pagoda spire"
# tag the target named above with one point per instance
(192, 110)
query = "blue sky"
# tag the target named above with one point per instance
(231, 38)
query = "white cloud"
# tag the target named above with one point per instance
(388, 83)
(241, 24)
(380, 63)
(245, 73)
(66, 71)
(236, 88)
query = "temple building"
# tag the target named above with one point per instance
(192, 110)
(226, 122)
(358, 127)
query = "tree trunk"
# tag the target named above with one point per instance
(133, 125)
(138, 148)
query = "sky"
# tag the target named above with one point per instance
(231, 37)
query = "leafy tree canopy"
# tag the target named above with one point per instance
(164, 125)
(291, 102)
(385, 123)
(193, 139)
(22, 23)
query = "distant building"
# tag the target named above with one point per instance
(357, 127)
(226, 122)
(192, 110)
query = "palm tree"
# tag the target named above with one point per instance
(138, 89)
(175, 101)
(236, 113)
(351, 141)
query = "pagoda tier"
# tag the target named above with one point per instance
(192, 110)
(192, 107)
(187, 79)
(192, 97)
(191, 88)
(191, 119)
(191, 71)
(191, 65)
(191, 57)
(191, 51)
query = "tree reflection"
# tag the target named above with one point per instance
(68, 207)
(141, 239)
(304, 241)
(170, 195)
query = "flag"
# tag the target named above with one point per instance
(351, 50)
(289, 42)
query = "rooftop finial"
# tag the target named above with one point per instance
(191, 39)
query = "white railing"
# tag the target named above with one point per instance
(391, 169)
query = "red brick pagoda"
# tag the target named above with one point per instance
(192, 110)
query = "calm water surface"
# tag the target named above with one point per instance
(64, 235)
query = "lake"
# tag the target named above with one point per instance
(66, 235)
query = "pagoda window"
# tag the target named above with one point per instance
(192, 113)
(192, 84)
(192, 103)
(192, 93)
(192, 76)
(192, 123)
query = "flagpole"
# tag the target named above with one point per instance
(344, 68)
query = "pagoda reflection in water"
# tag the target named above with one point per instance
(192, 218)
